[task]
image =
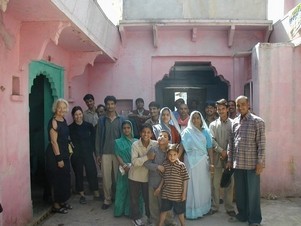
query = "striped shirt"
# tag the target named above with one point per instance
(174, 176)
(247, 142)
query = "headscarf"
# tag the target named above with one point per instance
(162, 126)
(122, 146)
(194, 140)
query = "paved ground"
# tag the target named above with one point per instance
(281, 212)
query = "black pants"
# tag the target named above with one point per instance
(135, 190)
(78, 164)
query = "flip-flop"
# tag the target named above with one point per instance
(59, 210)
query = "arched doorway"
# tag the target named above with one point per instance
(196, 82)
(40, 110)
(45, 85)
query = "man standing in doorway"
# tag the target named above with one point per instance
(220, 130)
(108, 129)
(90, 115)
(183, 116)
(246, 154)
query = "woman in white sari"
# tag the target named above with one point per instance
(197, 143)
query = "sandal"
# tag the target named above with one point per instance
(59, 210)
(66, 206)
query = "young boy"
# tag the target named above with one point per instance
(157, 155)
(173, 186)
(138, 173)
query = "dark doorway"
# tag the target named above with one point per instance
(198, 82)
(40, 103)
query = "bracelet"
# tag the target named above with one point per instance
(58, 158)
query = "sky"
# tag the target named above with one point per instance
(112, 8)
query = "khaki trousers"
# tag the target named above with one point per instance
(109, 165)
(228, 192)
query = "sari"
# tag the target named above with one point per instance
(196, 144)
(122, 148)
(173, 127)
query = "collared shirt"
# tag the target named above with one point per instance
(112, 132)
(138, 172)
(91, 117)
(220, 131)
(151, 122)
(174, 176)
(154, 177)
(106, 132)
(247, 142)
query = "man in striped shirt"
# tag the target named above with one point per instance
(246, 154)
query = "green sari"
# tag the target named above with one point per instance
(122, 149)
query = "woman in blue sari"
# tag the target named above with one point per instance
(197, 144)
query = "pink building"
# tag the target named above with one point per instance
(201, 50)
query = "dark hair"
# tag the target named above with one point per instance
(154, 104)
(101, 105)
(76, 108)
(110, 98)
(210, 103)
(233, 101)
(165, 131)
(222, 102)
(88, 97)
(139, 100)
(180, 100)
(146, 125)
(173, 147)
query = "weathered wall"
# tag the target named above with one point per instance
(14, 137)
(88, 16)
(276, 93)
(195, 9)
(141, 65)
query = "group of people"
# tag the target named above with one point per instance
(163, 163)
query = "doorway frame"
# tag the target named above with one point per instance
(54, 73)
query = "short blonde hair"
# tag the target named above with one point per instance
(56, 103)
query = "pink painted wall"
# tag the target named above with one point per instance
(277, 89)
(14, 139)
(140, 65)
(16, 53)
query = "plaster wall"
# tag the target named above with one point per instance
(89, 17)
(21, 46)
(276, 92)
(141, 65)
(284, 31)
(195, 9)
(14, 138)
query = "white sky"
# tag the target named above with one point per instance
(112, 8)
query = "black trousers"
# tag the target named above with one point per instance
(78, 165)
(135, 190)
